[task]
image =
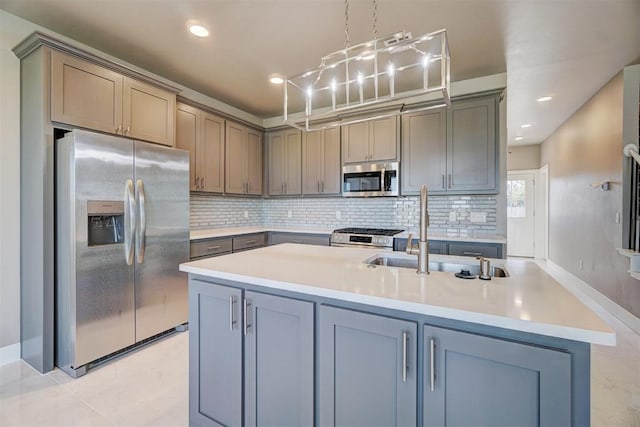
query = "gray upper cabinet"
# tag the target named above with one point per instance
(215, 355)
(452, 151)
(285, 162)
(279, 346)
(278, 358)
(374, 140)
(90, 96)
(424, 151)
(472, 146)
(321, 168)
(202, 134)
(482, 381)
(367, 369)
(243, 160)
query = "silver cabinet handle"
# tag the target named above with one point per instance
(297, 241)
(472, 253)
(432, 364)
(282, 188)
(443, 184)
(250, 242)
(118, 128)
(197, 186)
(405, 340)
(126, 131)
(213, 248)
(142, 231)
(245, 305)
(318, 186)
(129, 232)
(203, 181)
(449, 180)
(232, 321)
(285, 188)
(323, 186)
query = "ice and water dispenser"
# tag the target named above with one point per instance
(105, 221)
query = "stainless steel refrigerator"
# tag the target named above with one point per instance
(122, 229)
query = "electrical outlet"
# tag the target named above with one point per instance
(338, 215)
(289, 214)
(581, 265)
(246, 214)
(478, 217)
(452, 216)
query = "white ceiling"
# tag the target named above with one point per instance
(565, 48)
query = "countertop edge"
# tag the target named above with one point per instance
(557, 331)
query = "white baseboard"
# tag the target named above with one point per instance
(9, 353)
(590, 296)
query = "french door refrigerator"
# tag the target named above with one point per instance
(122, 229)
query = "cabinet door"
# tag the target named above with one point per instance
(363, 378)
(148, 113)
(211, 153)
(235, 159)
(85, 95)
(187, 121)
(215, 355)
(471, 146)
(293, 162)
(383, 139)
(355, 142)
(491, 382)
(276, 163)
(424, 151)
(332, 173)
(254, 162)
(279, 345)
(312, 162)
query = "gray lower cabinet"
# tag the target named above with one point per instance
(215, 355)
(277, 237)
(367, 369)
(443, 247)
(249, 241)
(206, 248)
(277, 360)
(473, 380)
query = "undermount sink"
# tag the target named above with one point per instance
(450, 267)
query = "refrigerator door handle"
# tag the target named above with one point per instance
(129, 232)
(142, 230)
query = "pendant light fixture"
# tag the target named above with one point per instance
(358, 80)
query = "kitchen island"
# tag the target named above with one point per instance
(299, 335)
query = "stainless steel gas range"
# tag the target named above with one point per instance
(377, 238)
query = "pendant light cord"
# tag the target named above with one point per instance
(346, 24)
(375, 19)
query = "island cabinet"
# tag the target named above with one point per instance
(473, 380)
(250, 358)
(90, 96)
(367, 369)
(285, 162)
(202, 134)
(243, 160)
(452, 151)
(321, 168)
(374, 140)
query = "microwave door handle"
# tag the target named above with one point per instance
(129, 232)
(140, 237)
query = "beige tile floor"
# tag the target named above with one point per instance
(149, 387)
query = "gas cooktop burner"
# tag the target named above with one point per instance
(370, 231)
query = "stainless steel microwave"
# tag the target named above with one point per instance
(370, 180)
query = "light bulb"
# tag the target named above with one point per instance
(360, 79)
(390, 69)
(334, 85)
(309, 91)
(425, 61)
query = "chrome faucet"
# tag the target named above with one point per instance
(423, 246)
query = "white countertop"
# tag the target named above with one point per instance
(225, 232)
(462, 236)
(529, 300)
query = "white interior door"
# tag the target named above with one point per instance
(520, 214)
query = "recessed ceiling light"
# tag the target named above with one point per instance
(544, 99)
(198, 30)
(527, 125)
(276, 79)
(519, 138)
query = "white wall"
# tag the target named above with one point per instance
(12, 31)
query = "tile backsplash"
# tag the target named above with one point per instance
(329, 213)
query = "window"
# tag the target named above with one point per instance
(516, 198)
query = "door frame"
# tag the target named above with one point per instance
(540, 209)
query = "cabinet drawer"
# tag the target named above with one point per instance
(486, 250)
(249, 241)
(306, 239)
(435, 246)
(210, 247)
